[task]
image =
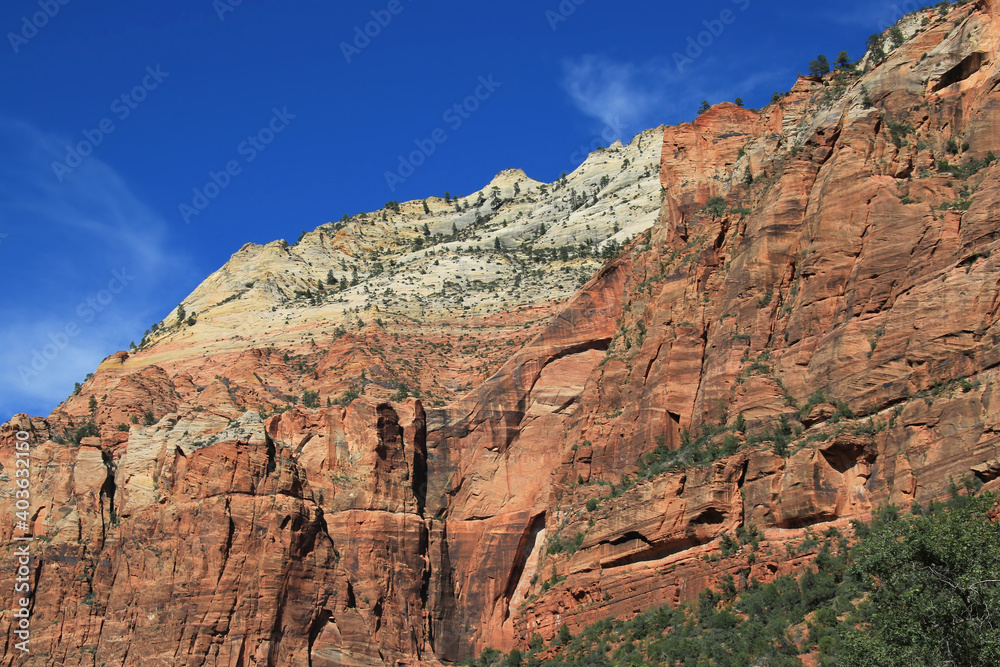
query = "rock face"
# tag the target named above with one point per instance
(457, 283)
(806, 328)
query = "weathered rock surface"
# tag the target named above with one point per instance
(818, 342)
(843, 264)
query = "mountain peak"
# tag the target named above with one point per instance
(696, 359)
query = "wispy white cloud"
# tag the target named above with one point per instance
(614, 93)
(85, 255)
(95, 203)
(643, 95)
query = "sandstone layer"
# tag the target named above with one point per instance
(804, 329)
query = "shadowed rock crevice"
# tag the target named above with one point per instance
(962, 71)
(319, 622)
(807, 521)
(418, 463)
(630, 536)
(445, 632)
(709, 516)
(524, 549)
(987, 472)
(843, 456)
(390, 435)
(352, 602)
(272, 454)
(643, 550)
(109, 488)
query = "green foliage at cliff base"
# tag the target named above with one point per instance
(915, 589)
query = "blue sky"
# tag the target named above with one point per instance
(142, 144)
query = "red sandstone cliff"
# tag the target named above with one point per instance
(846, 297)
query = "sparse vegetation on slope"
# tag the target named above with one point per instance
(917, 589)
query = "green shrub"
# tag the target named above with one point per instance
(896, 36)
(819, 66)
(898, 131)
(935, 581)
(715, 207)
(88, 430)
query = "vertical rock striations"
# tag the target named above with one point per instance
(804, 329)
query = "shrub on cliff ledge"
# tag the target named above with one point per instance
(876, 49)
(819, 67)
(88, 430)
(715, 207)
(896, 36)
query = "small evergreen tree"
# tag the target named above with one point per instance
(705, 106)
(896, 36)
(876, 51)
(820, 66)
(843, 61)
